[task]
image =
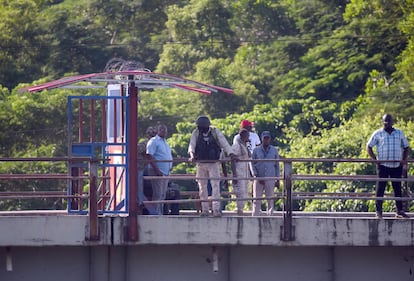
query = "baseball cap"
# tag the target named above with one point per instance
(265, 134)
(246, 123)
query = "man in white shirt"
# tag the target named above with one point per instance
(158, 149)
(254, 139)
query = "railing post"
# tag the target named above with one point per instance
(288, 228)
(75, 186)
(93, 200)
(132, 162)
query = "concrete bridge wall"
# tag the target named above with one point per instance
(191, 248)
(191, 262)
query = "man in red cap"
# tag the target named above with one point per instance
(254, 139)
(251, 143)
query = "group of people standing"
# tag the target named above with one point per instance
(207, 148)
(255, 159)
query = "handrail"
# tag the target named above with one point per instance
(288, 194)
(93, 233)
(294, 177)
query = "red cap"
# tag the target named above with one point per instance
(246, 123)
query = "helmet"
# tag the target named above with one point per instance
(203, 121)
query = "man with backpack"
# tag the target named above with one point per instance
(205, 146)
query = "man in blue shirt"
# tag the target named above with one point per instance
(158, 149)
(267, 169)
(391, 144)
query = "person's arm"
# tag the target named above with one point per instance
(370, 144)
(151, 148)
(257, 140)
(254, 166)
(372, 154)
(235, 138)
(234, 171)
(277, 167)
(406, 146)
(225, 174)
(224, 144)
(191, 146)
(236, 150)
(404, 163)
(154, 166)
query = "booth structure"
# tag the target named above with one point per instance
(97, 129)
(105, 128)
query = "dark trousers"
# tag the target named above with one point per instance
(386, 172)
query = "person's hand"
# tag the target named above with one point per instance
(404, 165)
(233, 157)
(191, 159)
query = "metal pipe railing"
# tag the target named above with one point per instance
(93, 233)
(288, 195)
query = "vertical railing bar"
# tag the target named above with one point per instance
(115, 133)
(80, 120)
(287, 234)
(80, 140)
(132, 176)
(92, 121)
(93, 200)
(104, 140)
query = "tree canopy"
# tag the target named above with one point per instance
(318, 74)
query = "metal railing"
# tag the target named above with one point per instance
(31, 189)
(287, 194)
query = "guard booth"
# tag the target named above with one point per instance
(97, 128)
(105, 128)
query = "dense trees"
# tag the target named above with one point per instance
(318, 73)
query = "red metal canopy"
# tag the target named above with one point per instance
(142, 79)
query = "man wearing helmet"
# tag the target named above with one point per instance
(205, 146)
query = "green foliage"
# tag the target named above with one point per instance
(318, 74)
(18, 41)
(198, 31)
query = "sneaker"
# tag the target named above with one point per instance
(204, 214)
(378, 215)
(401, 215)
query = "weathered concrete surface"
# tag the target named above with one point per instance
(194, 262)
(308, 231)
(46, 230)
(68, 230)
(50, 248)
